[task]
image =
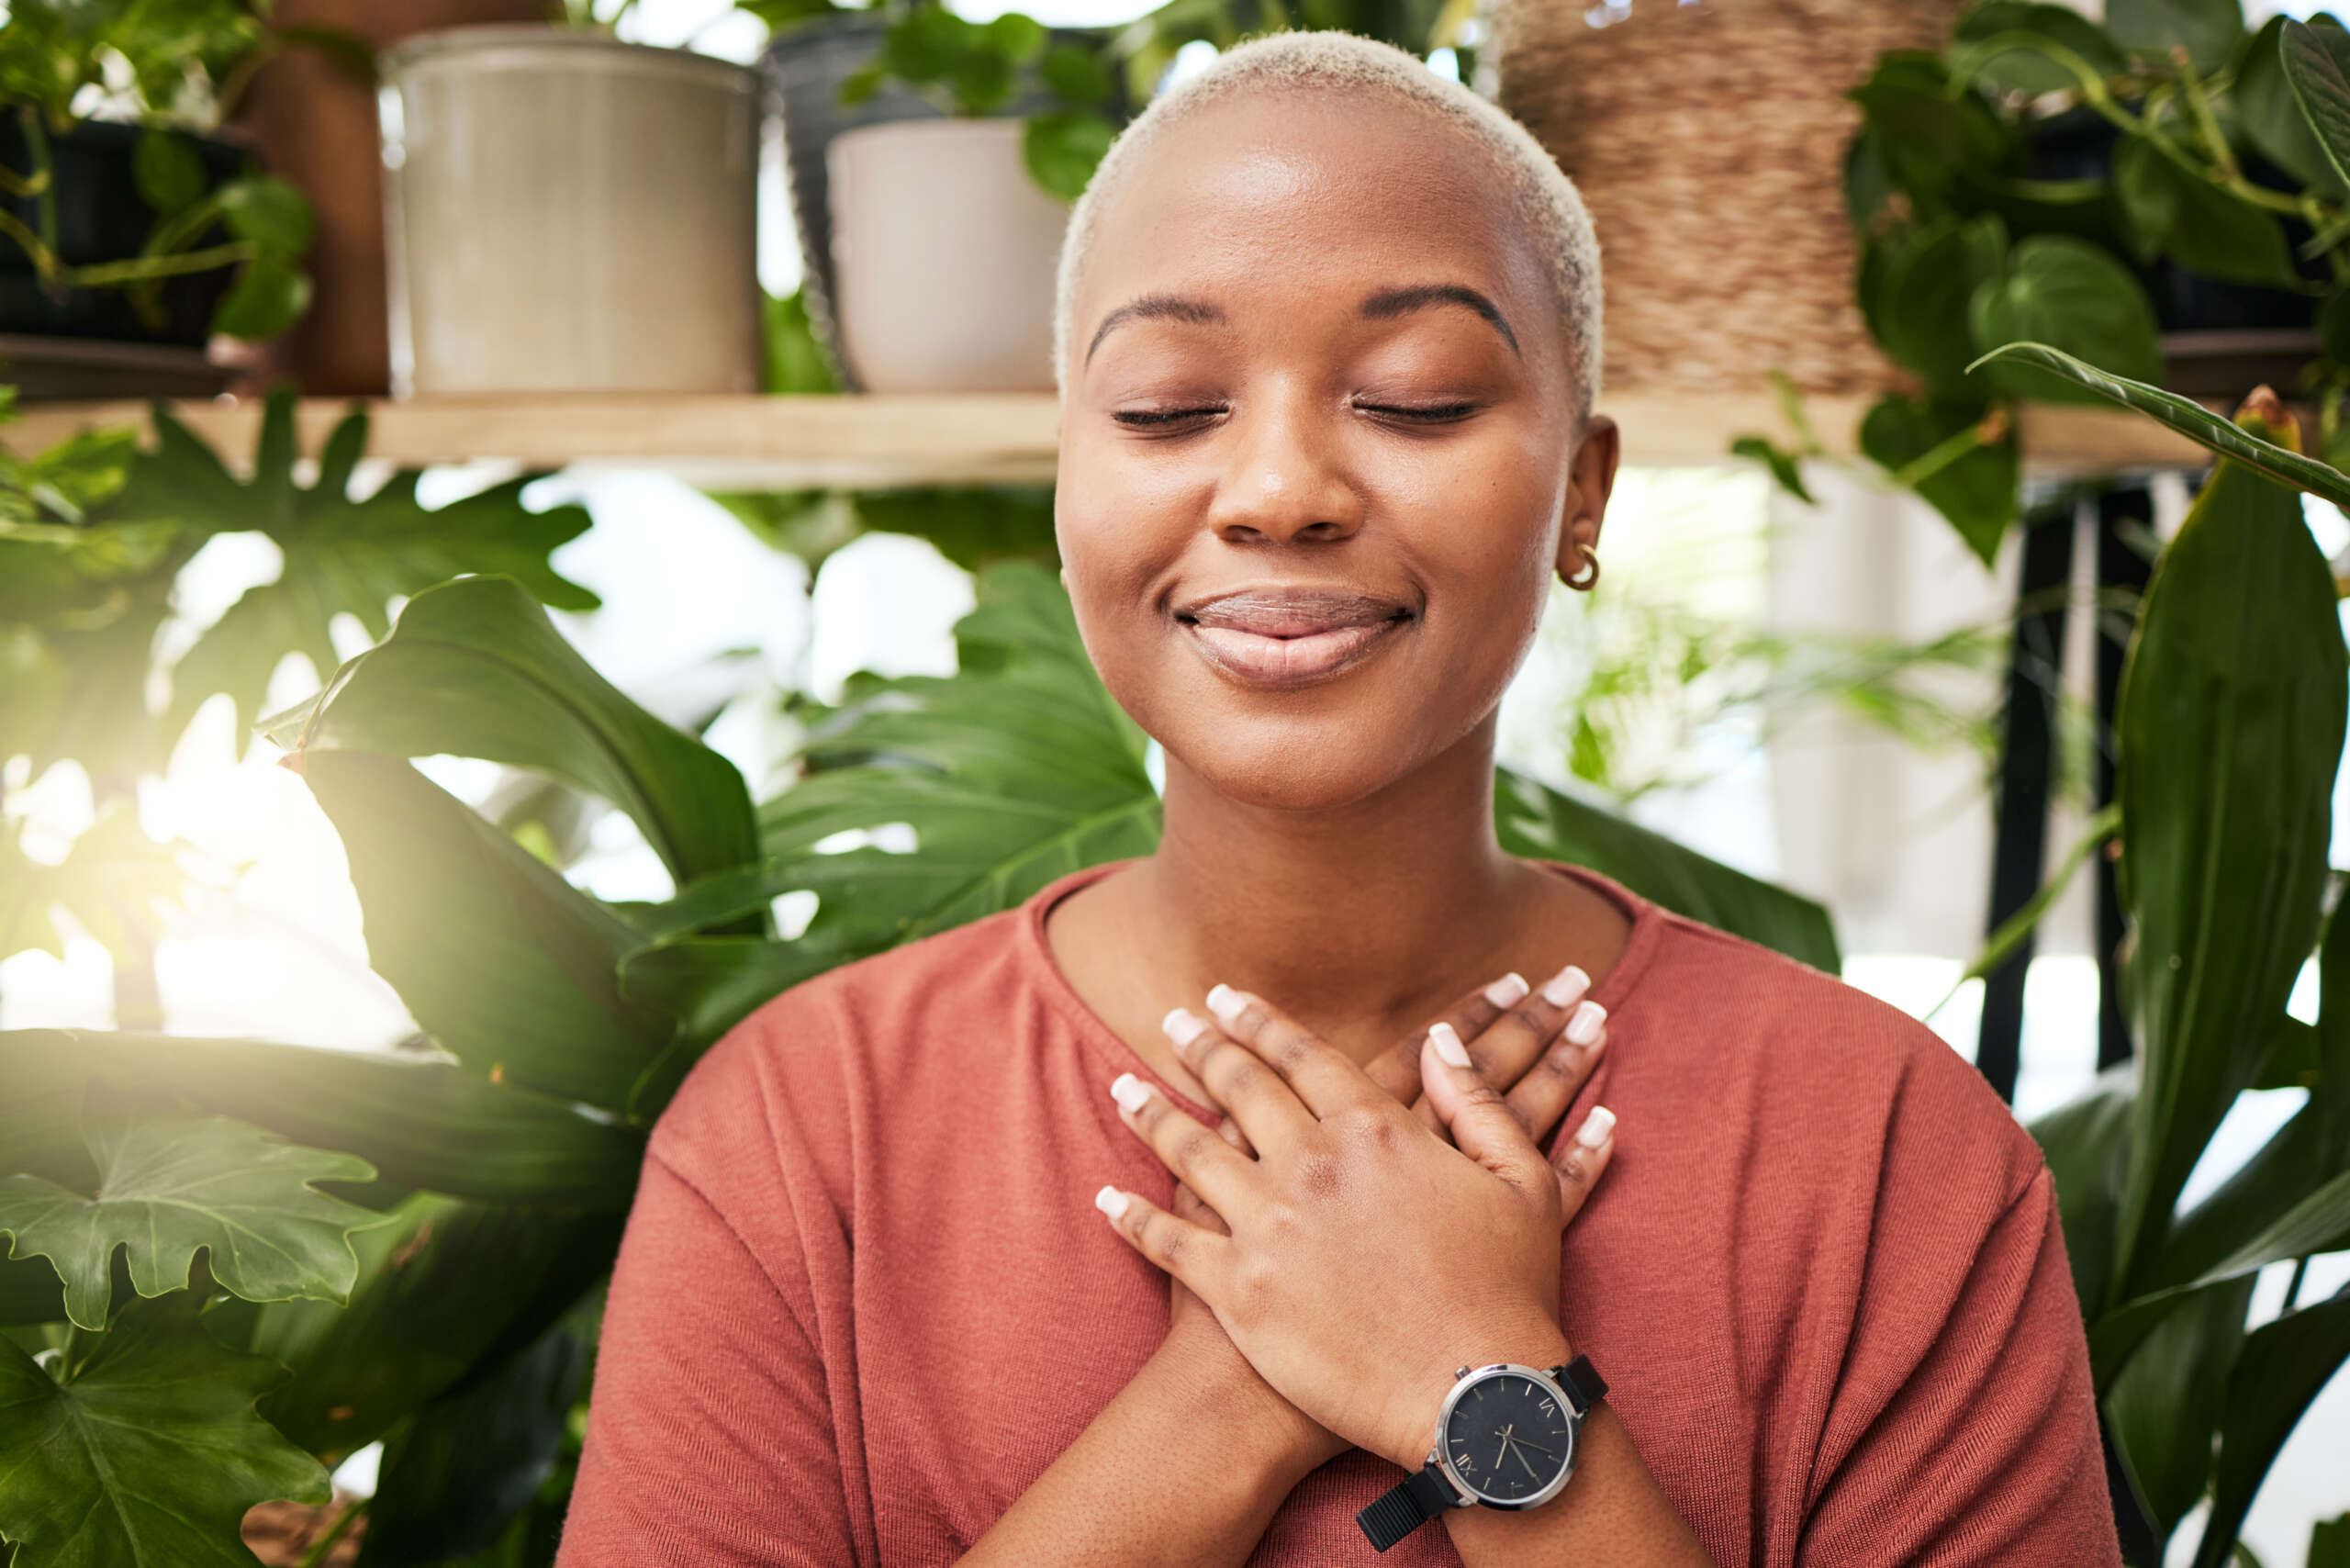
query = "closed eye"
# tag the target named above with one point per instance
(1160, 418)
(1419, 413)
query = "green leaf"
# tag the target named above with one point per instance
(2074, 296)
(2330, 1098)
(1785, 468)
(446, 1292)
(1062, 150)
(2272, 1385)
(2019, 60)
(2330, 1542)
(1926, 283)
(1078, 76)
(2204, 228)
(2282, 1172)
(341, 556)
(453, 1476)
(421, 1119)
(2271, 119)
(474, 669)
(2191, 419)
(785, 15)
(507, 967)
(795, 360)
(2317, 67)
(168, 173)
(2207, 29)
(1541, 823)
(267, 298)
(2165, 1405)
(173, 1185)
(2087, 1145)
(1931, 139)
(112, 882)
(1938, 448)
(145, 1454)
(30, 1292)
(269, 213)
(2228, 731)
(973, 528)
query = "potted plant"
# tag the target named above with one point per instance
(919, 141)
(123, 218)
(567, 212)
(2143, 193)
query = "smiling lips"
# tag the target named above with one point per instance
(1290, 636)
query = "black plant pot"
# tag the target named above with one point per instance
(2220, 339)
(101, 218)
(804, 70)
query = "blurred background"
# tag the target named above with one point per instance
(1860, 632)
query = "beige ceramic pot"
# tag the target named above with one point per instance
(569, 214)
(943, 254)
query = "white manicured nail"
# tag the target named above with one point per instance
(1508, 990)
(1449, 1049)
(1584, 1026)
(1131, 1093)
(1595, 1128)
(1226, 1003)
(1183, 1025)
(1566, 988)
(1111, 1202)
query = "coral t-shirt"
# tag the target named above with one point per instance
(864, 1299)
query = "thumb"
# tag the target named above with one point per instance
(1476, 1115)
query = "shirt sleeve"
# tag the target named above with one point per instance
(710, 1439)
(1963, 1431)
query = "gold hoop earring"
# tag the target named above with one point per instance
(1580, 580)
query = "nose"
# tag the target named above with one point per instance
(1285, 478)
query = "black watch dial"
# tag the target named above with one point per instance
(1508, 1438)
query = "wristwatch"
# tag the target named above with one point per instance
(1505, 1438)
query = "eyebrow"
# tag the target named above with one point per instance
(1393, 302)
(1383, 305)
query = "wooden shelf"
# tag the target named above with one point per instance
(729, 442)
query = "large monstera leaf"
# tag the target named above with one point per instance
(145, 1452)
(170, 1185)
(341, 556)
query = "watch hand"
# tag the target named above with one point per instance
(1526, 1462)
(1538, 1448)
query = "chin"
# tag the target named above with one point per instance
(1295, 762)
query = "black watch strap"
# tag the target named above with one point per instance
(1582, 1383)
(1406, 1507)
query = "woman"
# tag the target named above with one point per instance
(1329, 341)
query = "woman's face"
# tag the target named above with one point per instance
(1319, 446)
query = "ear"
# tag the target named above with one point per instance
(1589, 484)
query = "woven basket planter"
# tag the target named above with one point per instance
(1708, 139)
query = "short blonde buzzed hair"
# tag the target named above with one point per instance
(1540, 192)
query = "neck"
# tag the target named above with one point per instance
(1358, 918)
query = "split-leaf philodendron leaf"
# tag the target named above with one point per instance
(170, 1185)
(145, 1453)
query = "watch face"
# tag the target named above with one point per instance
(1508, 1438)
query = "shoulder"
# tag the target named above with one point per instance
(804, 1065)
(1824, 1062)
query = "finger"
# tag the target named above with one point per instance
(1475, 1116)
(1527, 1024)
(1264, 1111)
(1397, 1069)
(1583, 1157)
(1188, 1252)
(1551, 1085)
(1319, 1076)
(1192, 1209)
(1198, 1158)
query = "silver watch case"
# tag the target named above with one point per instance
(1441, 1461)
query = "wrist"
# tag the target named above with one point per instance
(1206, 1378)
(1409, 1431)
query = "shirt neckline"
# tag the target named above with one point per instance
(1648, 923)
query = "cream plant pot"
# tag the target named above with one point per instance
(565, 213)
(943, 254)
